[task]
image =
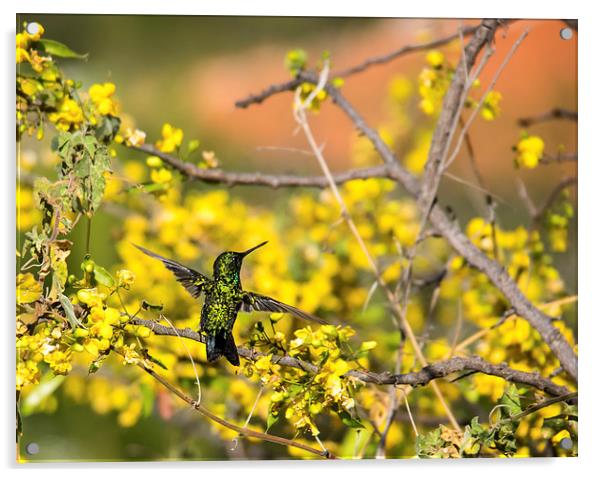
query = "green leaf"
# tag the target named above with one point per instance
(107, 129)
(511, 401)
(102, 276)
(193, 145)
(273, 418)
(154, 360)
(48, 384)
(350, 421)
(90, 145)
(69, 312)
(56, 48)
(58, 142)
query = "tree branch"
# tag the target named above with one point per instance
(418, 378)
(244, 431)
(554, 113)
(377, 60)
(539, 213)
(256, 178)
(558, 158)
(450, 113)
(291, 85)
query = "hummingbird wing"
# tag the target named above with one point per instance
(254, 301)
(192, 280)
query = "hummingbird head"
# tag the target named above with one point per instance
(229, 263)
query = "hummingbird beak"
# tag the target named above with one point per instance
(244, 254)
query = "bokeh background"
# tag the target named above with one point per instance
(189, 71)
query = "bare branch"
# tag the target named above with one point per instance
(554, 113)
(419, 378)
(539, 213)
(476, 110)
(256, 178)
(375, 60)
(559, 158)
(449, 117)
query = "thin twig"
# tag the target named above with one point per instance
(559, 158)
(241, 430)
(548, 402)
(554, 113)
(291, 85)
(476, 110)
(453, 103)
(539, 213)
(377, 60)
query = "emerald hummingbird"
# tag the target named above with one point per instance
(224, 298)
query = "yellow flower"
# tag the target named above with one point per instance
(59, 362)
(125, 278)
(564, 434)
(264, 362)
(101, 94)
(530, 151)
(22, 40)
(28, 289)
(161, 176)
(27, 373)
(368, 345)
(130, 415)
(69, 113)
(91, 297)
(491, 106)
(435, 58)
(135, 138)
(171, 138)
(154, 161)
(22, 55)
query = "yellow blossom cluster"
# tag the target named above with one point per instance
(31, 33)
(299, 395)
(529, 151)
(101, 96)
(434, 80)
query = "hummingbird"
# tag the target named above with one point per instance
(224, 298)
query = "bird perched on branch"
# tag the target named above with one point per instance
(224, 298)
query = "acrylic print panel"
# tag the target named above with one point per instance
(415, 181)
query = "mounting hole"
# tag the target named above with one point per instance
(32, 448)
(566, 443)
(566, 33)
(33, 28)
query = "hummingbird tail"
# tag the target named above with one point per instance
(222, 345)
